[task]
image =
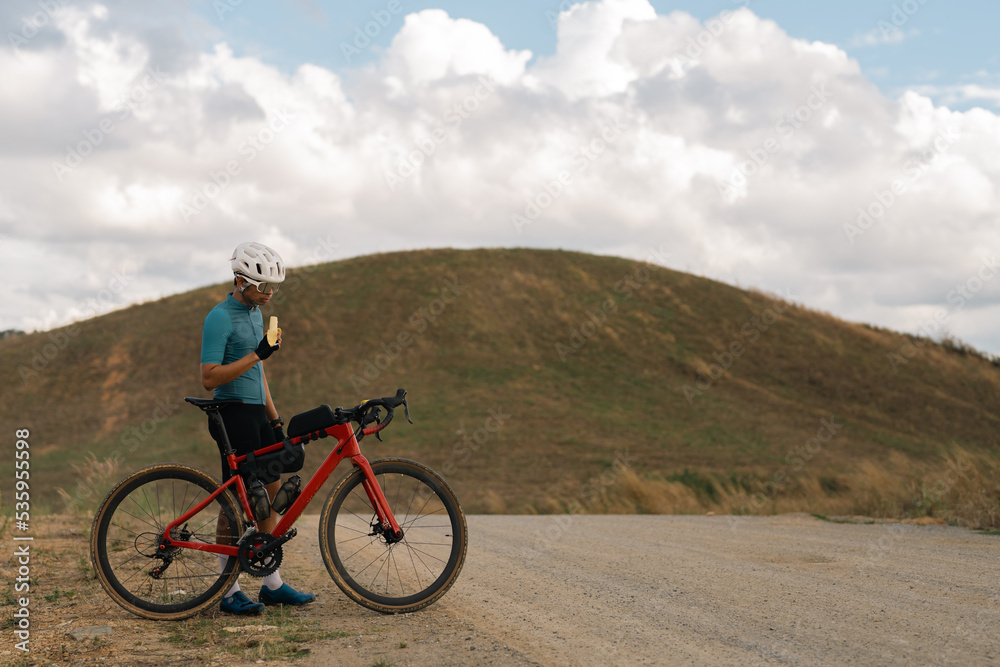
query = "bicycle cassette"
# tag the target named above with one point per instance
(253, 557)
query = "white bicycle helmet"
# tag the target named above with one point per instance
(258, 262)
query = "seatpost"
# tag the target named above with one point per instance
(217, 418)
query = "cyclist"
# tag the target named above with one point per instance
(233, 346)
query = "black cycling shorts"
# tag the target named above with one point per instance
(248, 429)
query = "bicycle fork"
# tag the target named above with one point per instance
(387, 524)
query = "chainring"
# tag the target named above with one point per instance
(250, 559)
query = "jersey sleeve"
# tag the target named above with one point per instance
(214, 336)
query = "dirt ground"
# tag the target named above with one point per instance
(577, 590)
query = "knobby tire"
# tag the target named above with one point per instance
(373, 571)
(126, 533)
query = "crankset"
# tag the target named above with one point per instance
(260, 553)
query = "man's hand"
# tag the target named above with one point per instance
(264, 350)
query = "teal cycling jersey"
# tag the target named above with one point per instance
(232, 331)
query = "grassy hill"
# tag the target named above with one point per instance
(542, 381)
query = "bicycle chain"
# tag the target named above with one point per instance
(253, 564)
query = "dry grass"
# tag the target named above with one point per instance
(962, 488)
(94, 478)
(908, 408)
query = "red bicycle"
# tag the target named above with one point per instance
(392, 534)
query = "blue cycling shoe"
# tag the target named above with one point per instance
(284, 595)
(238, 603)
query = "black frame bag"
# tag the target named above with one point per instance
(291, 458)
(311, 421)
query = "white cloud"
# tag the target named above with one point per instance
(432, 46)
(888, 34)
(584, 63)
(642, 116)
(963, 94)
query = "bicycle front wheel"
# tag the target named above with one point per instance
(382, 573)
(125, 539)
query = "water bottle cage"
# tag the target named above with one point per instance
(259, 502)
(287, 494)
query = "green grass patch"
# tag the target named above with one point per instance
(55, 595)
(494, 347)
(285, 640)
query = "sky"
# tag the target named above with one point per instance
(843, 153)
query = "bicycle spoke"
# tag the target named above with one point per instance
(132, 558)
(145, 508)
(402, 588)
(363, 532)
(372, 562)
(356, 553)
(140, 520)
(388, 570)
(197, 531)
(365, 502)
(158, 505)
(423, 516)
(359, 537)
(414, 551)
(426, 554)
(420, 512)
(377, 572)
(132, 526)
(412, 562)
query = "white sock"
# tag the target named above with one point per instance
(223, 559)
(273, 581)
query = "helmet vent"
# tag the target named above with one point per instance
(258, 262)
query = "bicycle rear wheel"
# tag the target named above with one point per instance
(376, 571)
(125, 538)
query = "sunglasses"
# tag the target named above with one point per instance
(261, 286)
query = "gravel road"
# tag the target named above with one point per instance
(665, 590)
(585, 590)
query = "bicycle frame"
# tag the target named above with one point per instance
(347, 447)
